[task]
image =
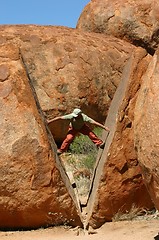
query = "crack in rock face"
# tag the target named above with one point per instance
(39, 73)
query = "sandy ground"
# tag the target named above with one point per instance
(124, 230)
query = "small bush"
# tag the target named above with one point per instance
(83, 146)
(81, 160)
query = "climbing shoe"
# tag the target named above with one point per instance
(102, 145)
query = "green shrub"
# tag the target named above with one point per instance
(83, 146)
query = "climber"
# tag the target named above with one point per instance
(78, 125)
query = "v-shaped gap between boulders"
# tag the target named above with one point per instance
(68, 178)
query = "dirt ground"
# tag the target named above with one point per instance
(123, 230)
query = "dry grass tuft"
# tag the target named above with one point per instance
(129, 215)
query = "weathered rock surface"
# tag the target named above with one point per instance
(70, 68)
(34, 189)
(65, 68)
(147, 128)
(134, 21)
(118, 183)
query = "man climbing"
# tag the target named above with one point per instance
(78, 125)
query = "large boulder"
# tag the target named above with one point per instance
(70, 68)
(134, 21)
(45, 72)
(34, 188)
(147, 128)
(118, 184)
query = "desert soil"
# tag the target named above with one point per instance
(123, 230)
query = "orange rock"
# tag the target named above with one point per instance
(35, 190)
(118, 183)
(69, 68)
(133, 21)
(48, 71)
(146, 128)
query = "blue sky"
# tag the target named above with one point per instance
(42, 12)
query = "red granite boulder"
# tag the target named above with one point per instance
(133, 21)
(70, 68)
(45, 72)
(118, 185)
(147, 128)
(34, 188)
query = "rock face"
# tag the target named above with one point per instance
(146, 128)
(134, 21)
(34, 189)
(46, 72)
(69, 68)
(118, 182)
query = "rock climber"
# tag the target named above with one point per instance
(78, 125)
